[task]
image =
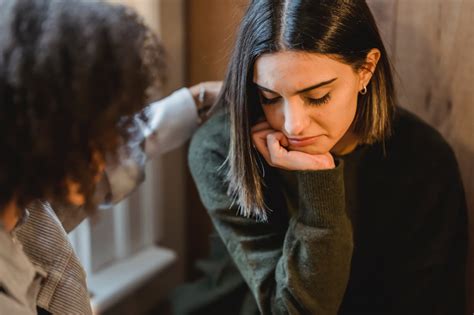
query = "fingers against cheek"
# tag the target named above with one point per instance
(259, 140)
(282, 139)
(260, 126)
(273, 144)
(275, 149)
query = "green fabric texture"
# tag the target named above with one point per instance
(382, 233)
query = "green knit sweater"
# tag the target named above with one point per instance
(382, 233)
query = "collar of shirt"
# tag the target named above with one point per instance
(64, 291)
(19, 278)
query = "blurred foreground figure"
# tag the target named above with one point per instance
(75, 81)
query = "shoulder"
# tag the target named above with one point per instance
(207, 156)
(210, 143)
(424, 176)
(416, 140)
(420, 165)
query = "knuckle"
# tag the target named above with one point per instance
(275, 160)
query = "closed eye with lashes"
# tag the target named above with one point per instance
(319, 101)
(268, 101)
(311, 101)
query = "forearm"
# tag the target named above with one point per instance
(167, 125)
(304, 268)
(312, 274)
(171, 122)
(301, 266)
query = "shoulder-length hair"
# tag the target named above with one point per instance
(342, 29)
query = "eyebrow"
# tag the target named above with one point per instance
(309, 88)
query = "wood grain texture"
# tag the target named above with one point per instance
(432, 48)
(211, 29)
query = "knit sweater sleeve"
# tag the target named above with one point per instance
(296, 267)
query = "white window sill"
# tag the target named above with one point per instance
(112, 284)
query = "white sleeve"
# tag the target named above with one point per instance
(171, 122)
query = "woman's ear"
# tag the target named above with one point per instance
(368, 68)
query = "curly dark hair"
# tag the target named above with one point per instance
(72, 75)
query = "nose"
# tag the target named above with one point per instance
(296, 118)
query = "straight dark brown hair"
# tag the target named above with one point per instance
(343, 30)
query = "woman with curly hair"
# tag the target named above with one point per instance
(327, 196)
(73, 76)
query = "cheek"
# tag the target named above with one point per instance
(274, 117)
(351, 109)
(341, 114)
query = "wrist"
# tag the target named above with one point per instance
(322, 164)
(322, 201)
(319, 162)
(198, 93)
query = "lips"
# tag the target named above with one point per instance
(302, 142)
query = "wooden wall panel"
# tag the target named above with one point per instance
(212, 25)
(211, 28)
(432, 48)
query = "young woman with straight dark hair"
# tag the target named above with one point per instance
(328, 197)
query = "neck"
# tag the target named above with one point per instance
(346, 145)
(9, 216)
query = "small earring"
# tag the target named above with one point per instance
(364, 90)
